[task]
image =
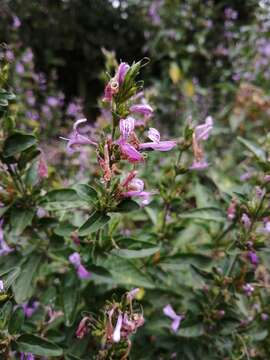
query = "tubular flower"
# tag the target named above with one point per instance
(252, 257)
(4, 248)
(2, 287)
(76, 139)
(135, 188)
(83, 328)
(142, 109)
(29, 309)
(126, 127)
(156, 144)
(117, 330)
(246, 221)
(75, 260)
(112, 87)
(131, 295)
(42, 168)
(201, 133)
(176, 319)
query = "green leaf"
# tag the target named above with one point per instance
(36, 345)
(132, 254)
(87, 193)
(191, 331)
(127, 205)
(60, 199)
(20, 219)
(23, 287)
(59, 195)
(5, 314)
(16, 321)
(124, 272)
(70, 301)
(207, 213)
(254, 148)
(10, 276)
(96, 221)
(17, 143)
(64, 229)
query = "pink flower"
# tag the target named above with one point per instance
(2, 287)
(156, 144)
(231, 212)
(176, 319)
(42, 168)
(77, 139)
(83, 328)
(143, 109)
(117, 330)
(75, 259)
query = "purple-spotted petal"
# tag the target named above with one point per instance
(130, 152)
(154, 135)
(126, 127)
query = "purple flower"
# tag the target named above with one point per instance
(135, 188)
(132, 294)
(143, 109)
(199, 165)
(253, 258)
(75, 259)
(29, 309)
(117, 330)
(19, 68)
(130, 153)
(76, 139)
(52, 101)
(2, 287)
(264, 316)
(248, 289)
(27, 56)
(231, 212)
(27, 356)
(4, 248)
(246, 221)
(121, 72)
(9, 55)
(16, 22)
(156, 144)
(176, 319)
(201, 133)
(126, 127)
(83, 273)
(259, 192)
